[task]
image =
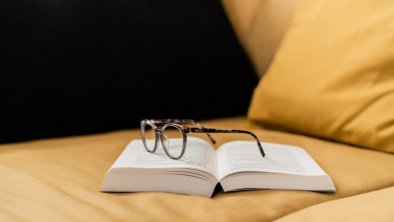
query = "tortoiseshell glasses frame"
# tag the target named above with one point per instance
(159, 126)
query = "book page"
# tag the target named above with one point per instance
(244, 156)
(198, 155)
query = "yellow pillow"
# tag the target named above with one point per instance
(333, 75)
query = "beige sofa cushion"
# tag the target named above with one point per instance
(333, 74)
(260, 26)
(373, 206)
(59, 180)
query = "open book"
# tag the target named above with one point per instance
(235, 165)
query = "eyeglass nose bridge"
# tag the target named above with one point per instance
(160, 135)
(159, 131)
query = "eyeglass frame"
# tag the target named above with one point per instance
(185, 130)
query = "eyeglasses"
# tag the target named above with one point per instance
(173, 136)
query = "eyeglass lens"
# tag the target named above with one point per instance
(149, 137)
(172, 140)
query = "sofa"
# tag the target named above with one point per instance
(59, 179)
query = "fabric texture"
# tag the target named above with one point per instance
(260, 26)
(60, 179)
(333, 76)
(373, 206)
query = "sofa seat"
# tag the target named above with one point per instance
(59, 180)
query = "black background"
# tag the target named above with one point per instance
(83, 66)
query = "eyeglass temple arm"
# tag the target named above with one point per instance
(185, 121)
(212, 130)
